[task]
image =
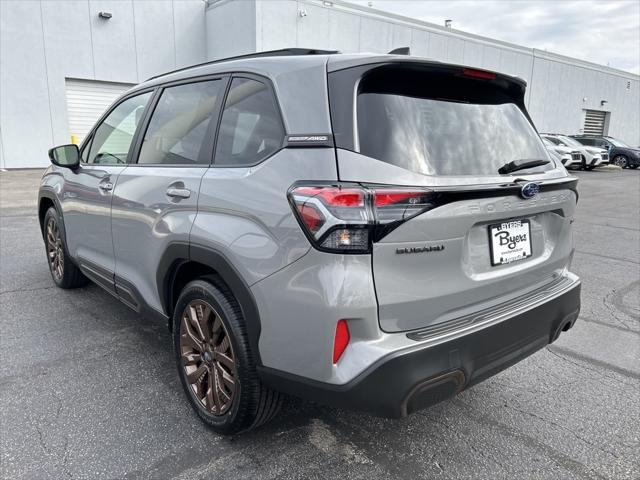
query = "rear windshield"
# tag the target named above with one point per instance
(412, 128)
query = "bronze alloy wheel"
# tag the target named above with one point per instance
(207, 357)
(55, 252)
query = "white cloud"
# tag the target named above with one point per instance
(604, 32)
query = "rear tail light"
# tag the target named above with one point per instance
(347, 218)
(472, 72)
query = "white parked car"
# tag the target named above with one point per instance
(591, 157)
(568, 156)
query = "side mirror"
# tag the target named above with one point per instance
(67, 156)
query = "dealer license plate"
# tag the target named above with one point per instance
(510, 241)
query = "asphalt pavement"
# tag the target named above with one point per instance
(89, 390)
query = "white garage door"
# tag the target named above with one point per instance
(86, 102)
(594, 121)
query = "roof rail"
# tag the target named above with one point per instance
(269, 53)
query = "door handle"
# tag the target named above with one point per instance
(178, 192)
(107, 186)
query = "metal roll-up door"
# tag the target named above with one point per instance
(594, 121)
(86, 102)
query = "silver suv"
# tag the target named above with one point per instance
(375, 232)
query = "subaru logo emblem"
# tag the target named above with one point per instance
(529, 190)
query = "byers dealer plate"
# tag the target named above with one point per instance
(510, 241)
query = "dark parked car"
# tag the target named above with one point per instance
(620, 153)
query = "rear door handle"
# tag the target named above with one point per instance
(178, 192)
(107, 186)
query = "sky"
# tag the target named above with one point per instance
(605, 32)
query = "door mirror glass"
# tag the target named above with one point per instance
(67, 156)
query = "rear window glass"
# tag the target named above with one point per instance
(417, 128)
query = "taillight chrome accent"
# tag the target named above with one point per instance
(347, 217)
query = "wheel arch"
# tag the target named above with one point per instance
(182, 263)
(47, 199)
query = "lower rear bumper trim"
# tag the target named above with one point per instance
(408, 381)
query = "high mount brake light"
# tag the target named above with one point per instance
(470, 72)
(347, 218)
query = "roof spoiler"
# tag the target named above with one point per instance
(400, 51)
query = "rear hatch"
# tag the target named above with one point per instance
(488, 234)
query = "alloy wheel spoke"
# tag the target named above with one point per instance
(203, 321)
(216, 328)
(197, 374)
(190, 340)
(224, 359)
(191, 358)
(227, 379)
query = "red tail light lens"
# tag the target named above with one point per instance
(335, 196)
(348, 217)
(470, 72)
(341, 340)
(311, 217)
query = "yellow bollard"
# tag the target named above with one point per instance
(74, 139)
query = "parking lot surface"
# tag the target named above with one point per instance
(89, 390)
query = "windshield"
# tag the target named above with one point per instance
(441, 137)
(618, 143)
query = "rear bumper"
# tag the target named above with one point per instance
(415, 378)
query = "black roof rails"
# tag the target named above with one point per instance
(269, 53)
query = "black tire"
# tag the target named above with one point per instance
(251, 404)
(64, 272)
(621, 161)
(589, 168)
(633, 166)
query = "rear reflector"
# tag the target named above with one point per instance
(470, 72)
(341, 340)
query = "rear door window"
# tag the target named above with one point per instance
(251, 128)
(180, 125)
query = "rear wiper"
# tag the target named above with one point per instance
(516, 165)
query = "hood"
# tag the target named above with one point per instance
(561, 149)
(594, 150)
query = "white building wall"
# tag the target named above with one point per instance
(43, 42)
(231, 29)
(556, 84)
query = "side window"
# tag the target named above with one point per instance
(112, 138)
(177, 132)
(84, 153)
(251, 128)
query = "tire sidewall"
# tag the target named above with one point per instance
(202, 290)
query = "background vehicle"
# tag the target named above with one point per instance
(620, 153)
(569, 157)
(592, 157)
(381, 258)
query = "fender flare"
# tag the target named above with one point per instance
(50, 194)
(178, 253)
